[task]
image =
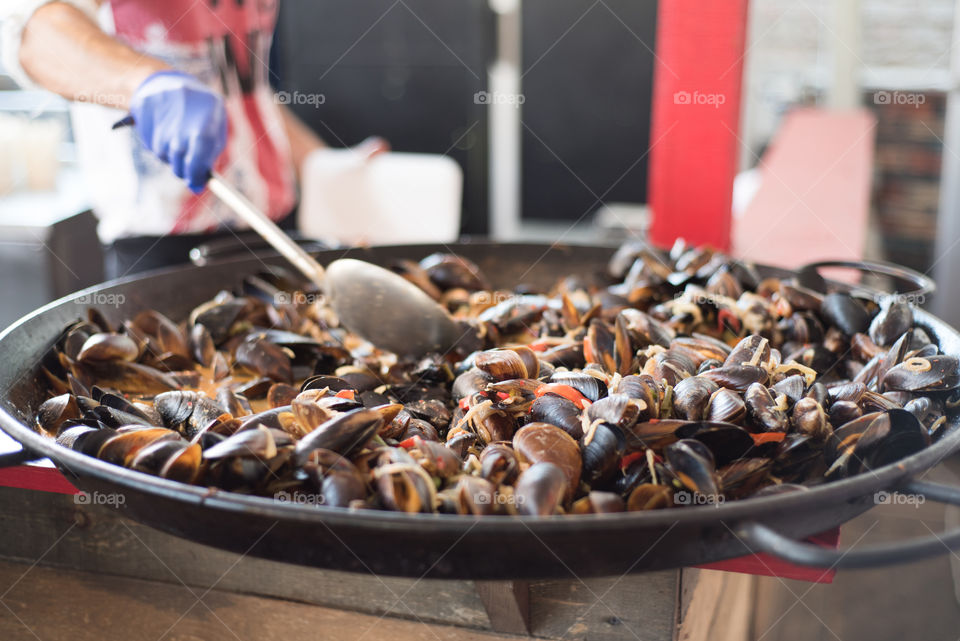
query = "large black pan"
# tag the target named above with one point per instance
(449, 546)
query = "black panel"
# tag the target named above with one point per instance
(407, 71)
(587, 84)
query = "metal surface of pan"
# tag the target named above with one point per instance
(441, 545)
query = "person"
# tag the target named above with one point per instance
(192, 74)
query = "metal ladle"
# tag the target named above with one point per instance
(379, 305)
(382, 307)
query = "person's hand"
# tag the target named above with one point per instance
(183, 122)
(371, 147)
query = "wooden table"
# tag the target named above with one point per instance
(75, 571)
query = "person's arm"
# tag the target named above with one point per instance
(176, 116)
(304, 141)
(64, 51)
(302, 138)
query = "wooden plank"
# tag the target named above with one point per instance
(46, 603)
(96, 538)
(615, 608)
(507, 604)
(716, 605)
(59, 532)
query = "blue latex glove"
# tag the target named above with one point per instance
(183, 122)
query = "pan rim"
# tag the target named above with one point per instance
(852, 489)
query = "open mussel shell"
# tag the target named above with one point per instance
(54, 411)
(808, 417)
(598, 503)
(691, 397)
(650, 496)
(704, 347)
(893, 319)
(405, 487)
(338, 480)
(218, 316)
(616, 409)
(502, 364)
(726, 406)
(840, 444)
(591, 387)
(795, 455)
(791, 386)
(753, 349)
(602, 447)
(323, 381)
(265, 359)
(766, 412)
(123, 447)
(842, 412)
(736, 377)
(890, 437)
(541, 489)
(449, 271)
(558, 411)
(86, 439)
(725, 442)
(473, 381)
(744, 476)
(499, 464)
(692, 464)
(642, 387)
(171, 459)
(342, 434)
(186, 412)
(923, 374)
(475, 495)
(542, 442)
(108, 347)
(671, 366)
(260, 442)
(846, 313)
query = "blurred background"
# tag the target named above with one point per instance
(546, 108)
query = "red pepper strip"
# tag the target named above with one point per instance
(628, 460)
(465, 403)
(503, 396)
(566, 391)
(345, 393)
(410, 442)
(768, 437)
(725, 315)
(539, 346)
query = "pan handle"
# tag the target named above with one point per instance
(243, 243)
(760, 538)
(809, 276)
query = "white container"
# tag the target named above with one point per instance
(390, 198)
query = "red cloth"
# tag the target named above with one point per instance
(36, 477)
(765, 565)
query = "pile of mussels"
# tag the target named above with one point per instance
(667, 381)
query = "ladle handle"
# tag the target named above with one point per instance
(266, 228)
